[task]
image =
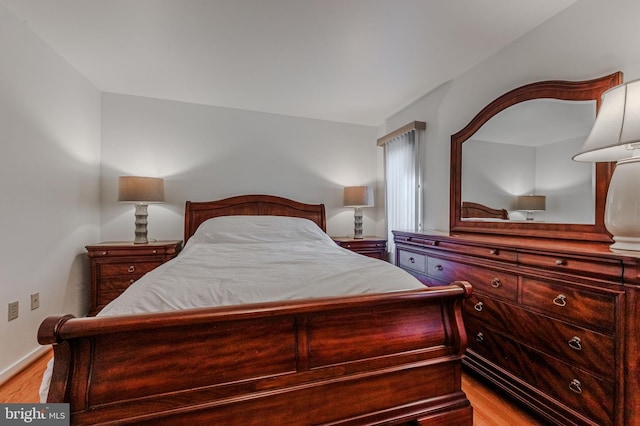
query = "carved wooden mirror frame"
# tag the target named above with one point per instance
(553, 89)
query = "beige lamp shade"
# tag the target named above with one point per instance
(617, 125)
(138, 189)
(531, 202)
(358, 196)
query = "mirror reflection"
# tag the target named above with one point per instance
(526, 150)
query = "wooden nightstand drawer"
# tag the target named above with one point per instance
(582, 307)
(128, 268)
(369, 246)
(115, 266)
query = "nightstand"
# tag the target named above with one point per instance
(369, 246)
(115, 266)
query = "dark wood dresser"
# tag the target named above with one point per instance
(369, 246)
(553, 323)
(115, 266)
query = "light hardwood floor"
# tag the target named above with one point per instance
(489, 407)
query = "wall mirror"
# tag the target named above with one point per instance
(521, 145)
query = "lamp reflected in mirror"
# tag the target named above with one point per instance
(531, 204)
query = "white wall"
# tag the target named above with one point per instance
(49, 185)
(589, 39)
(207, 153)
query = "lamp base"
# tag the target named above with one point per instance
(357, 223)
(622, 210)
(625, 244)
(141, 224)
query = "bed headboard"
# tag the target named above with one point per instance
(470, 209)
(197, 212)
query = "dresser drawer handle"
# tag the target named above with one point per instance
(412, 260)
(495, 283)
(478, 306)
(576, 386)
(493, 251)
(575, 343)
(131, 281)
(155, 252)
(479, 337)
(104, 253)
(560, 300)
(438, 267)
(561, 262)
(131, 269)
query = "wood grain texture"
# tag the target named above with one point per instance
(402, 350)
(490, 408)
(551, 322)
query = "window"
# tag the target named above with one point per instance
(403, 201)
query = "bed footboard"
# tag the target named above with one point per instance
(369, 359)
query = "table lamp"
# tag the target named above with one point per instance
(358, 197)
(531, 203)
(615, 136)
(141, 191)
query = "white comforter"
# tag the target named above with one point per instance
(247, 259)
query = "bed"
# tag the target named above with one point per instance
(480, 211)
(390, 356)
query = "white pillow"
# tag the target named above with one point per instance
(251, 229)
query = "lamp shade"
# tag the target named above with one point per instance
(358, 196)
(616, 126)
(138, 189)
(531, 202)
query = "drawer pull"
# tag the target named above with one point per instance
(155, 251)
(493, 251)
(560, 300)
(132, 268)
(438, 267)
(412, 260)
(560, 262)
(479, 337)
(104, 253)
(495, 283)
(576, 386)
(575, 343)
(478, 306)
(131, 281)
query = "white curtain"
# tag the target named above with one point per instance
(402, 185)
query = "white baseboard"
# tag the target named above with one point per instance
(19, 365)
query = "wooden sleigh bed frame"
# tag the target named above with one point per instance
(389, 358)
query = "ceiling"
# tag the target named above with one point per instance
(355, 61)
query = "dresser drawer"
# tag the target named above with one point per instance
(584, 393)
(579, 306)
(490, 281)
(503, 255)
(605, 268)
(587, 349)
(495, 347)
(127, 268)
(412, 260)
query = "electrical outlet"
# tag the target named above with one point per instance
(35, 301)
(13, 310)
